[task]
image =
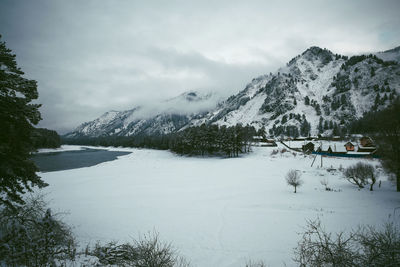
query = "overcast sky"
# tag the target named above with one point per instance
(93, 56)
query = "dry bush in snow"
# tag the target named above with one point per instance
(366, 246)
(148, 251)
(274, 152)
(325, 183)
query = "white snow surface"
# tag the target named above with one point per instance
(246, 114)
(216, 212)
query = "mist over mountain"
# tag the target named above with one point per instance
(390, 55)
(159, 118)
(316, 92)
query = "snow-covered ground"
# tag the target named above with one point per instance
(216, 212)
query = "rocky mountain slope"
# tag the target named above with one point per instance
(316, 92)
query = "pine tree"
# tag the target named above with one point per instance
(326, 125)
(17, 115)
(377, 101)
(307, 100)
(305, 128)
(372, 72)
(317, 109)
(320, 125)
(336, 129)
(284, 119)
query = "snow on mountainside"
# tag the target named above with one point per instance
(316, 92)
(163, 118)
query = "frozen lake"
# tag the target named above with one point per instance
(216, 212)
(65, 160)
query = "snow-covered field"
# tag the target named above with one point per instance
(216, 212)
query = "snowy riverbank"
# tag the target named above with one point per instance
(216, 212)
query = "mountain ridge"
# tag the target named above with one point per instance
(316, 92)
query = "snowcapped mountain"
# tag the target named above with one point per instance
(317, 89)
(163, 118)
(316, 92)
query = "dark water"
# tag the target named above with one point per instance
(57, 161)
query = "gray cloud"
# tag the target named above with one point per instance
(93, 56)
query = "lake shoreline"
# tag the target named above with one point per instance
(60, 160)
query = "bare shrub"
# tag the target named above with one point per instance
(274, 152)
(364, 247)
(380, 248)
(32, 236)
(148, 251)
(359, 174)
(284, 150)
(325, 183)
(114, 254)
(255, 264)
(293, 179)
(153, 253)
(320, 248)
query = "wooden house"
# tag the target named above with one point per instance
(349, 146)
(366, 141)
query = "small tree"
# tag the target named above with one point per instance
(359, 174)
(293, 179)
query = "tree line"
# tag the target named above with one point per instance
(45, 138)
(196, 140)
(213, 139)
